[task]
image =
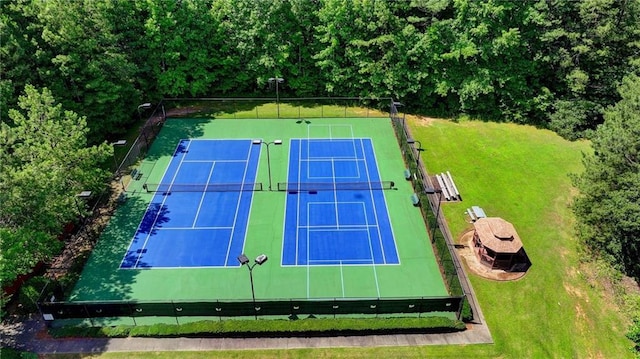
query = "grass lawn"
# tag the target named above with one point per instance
(521, 174)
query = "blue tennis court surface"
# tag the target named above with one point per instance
(339, 226)
(189, 227)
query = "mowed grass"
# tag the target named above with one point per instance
(294, 110)
(521, 174)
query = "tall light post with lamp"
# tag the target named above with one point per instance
(411, 141)
(118, 143)
(84, 195)
(276, 80)
(274, 142)
(244, 260)
(144, 106)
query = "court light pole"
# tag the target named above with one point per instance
(411, 141)
(144, 106)
(435, 222)
(118, 143)
(274, 142)
(83, 195)
(244, 260)
(276, 80)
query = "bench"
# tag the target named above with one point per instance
(443, 187)
(453, 184)
(407, 174)
(415, 199)
(447, 183)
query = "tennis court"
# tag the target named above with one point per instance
(199, 213)
(334, 225)
(336, 213)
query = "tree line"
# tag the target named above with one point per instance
(72, 73)
(551, 63)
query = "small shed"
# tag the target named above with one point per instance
(498, 246)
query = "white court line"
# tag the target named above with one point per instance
(364, 261)
(162, 204)
(204, 193)
(373, 260)
(187, 267)
(337, 159)
(298, 208)
(211, 161)
(284, 217)
(189, 228)
(373, 202)
(308, 257)
(335, 194)
(395, 245)
(344, 227)
(235, 217)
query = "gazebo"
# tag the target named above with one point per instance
(498, 246)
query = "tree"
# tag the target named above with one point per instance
(90, 70)
(45, 163)
(608, 207)
(583, 49)
(185, 46)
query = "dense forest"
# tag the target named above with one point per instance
(552, 63)
(73, 72)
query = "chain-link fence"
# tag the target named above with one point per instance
(53, 306)
(54, 310)
(430, 200)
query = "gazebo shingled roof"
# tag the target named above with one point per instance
(498, 235)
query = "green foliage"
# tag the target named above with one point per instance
(634, 335)
(270, 328)
(22, 249)
(571, 118)
(531, 61)
(4, 300)
(8, 353)
(89, 61)
(608, 207)
(45, 163)
(467, 313)
(29, 293)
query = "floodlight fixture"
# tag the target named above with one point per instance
(243, 259)
(261, 259)
(277, 80)
(274, 142)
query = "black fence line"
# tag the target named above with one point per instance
(51, 308)
(304, 106)
(453, 274)
(276, 307)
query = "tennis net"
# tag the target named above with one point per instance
(202, 187)
(334, 186)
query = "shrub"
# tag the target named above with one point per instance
(8, 353)
(30, 293)
(272, 328)
(634, 335)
